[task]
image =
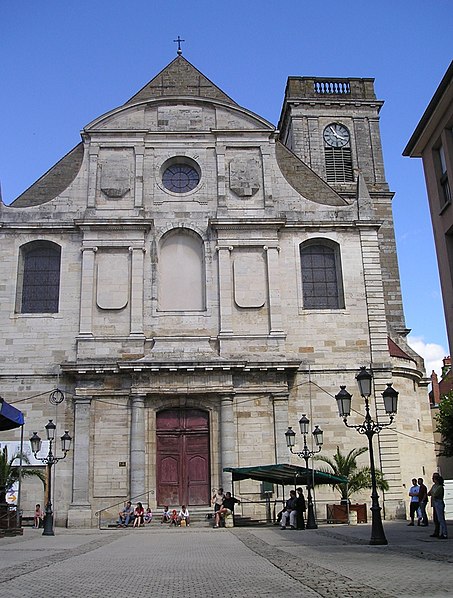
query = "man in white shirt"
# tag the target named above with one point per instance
(413, 507)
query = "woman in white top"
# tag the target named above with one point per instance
(183, 515)
(217, 500)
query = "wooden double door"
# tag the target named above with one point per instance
(183, 457)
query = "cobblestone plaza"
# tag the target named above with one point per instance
(330, 561)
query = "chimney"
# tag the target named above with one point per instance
(435, 392)
(446, 366)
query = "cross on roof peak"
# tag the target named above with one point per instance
(178, 41)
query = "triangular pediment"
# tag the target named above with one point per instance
(180, 78)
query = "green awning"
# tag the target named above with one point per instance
(283, 474)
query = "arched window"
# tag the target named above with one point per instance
(181, 272)
(39, 278)
(322, 286)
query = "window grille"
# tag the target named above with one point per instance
(41, 279)
(321, 277)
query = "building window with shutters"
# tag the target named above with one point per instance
(38, 288)
(322, 286)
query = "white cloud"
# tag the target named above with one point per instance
(432, 353)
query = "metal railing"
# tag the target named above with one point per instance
(108, 516)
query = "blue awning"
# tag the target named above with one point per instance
(10, 417)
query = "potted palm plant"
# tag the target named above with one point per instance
(359, 478)
(9, 475)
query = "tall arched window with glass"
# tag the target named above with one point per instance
(322, 286)
(38, 288)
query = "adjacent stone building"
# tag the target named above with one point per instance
(195, 279)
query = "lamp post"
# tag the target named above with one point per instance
(369, 427)
(49, 460)
(306, 454)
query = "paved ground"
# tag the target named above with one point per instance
(331, 561)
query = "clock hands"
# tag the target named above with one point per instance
(337, 135)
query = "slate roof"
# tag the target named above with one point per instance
(396, 351)
(180, 78)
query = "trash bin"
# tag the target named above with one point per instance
(352, 517)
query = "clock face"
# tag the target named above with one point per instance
(336, 135)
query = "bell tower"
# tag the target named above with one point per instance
(332, 125)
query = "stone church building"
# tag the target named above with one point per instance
(195, 279)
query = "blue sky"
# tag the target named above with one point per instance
(64, 63)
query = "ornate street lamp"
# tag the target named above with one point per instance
(306, 454)
(369, 427)
(49, 460)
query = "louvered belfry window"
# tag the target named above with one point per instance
(339, 164)
(41, 278)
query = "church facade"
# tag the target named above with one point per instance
(195, 279)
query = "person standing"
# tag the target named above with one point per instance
(422, 502)
(217, 500)
(437, 502)
(300, 508)
(413, 507)
(38, 516)
(431, 493)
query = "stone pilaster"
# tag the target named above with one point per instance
(138, 197)
(275, 310)
(225, 290)
(137, 254)
(86, 293)
(79, 513)
(227, 439)
(92, 175)
(137, 456)
(280, 403)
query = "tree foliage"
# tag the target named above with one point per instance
(444, 421)
(358, 478)
(9, 473)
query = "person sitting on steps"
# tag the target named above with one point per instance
(227, 508)
(139, 514)
(125, 515)
(183, 515)
(165, 515)
(174, 518)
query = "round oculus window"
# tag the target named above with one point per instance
(180, 178)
